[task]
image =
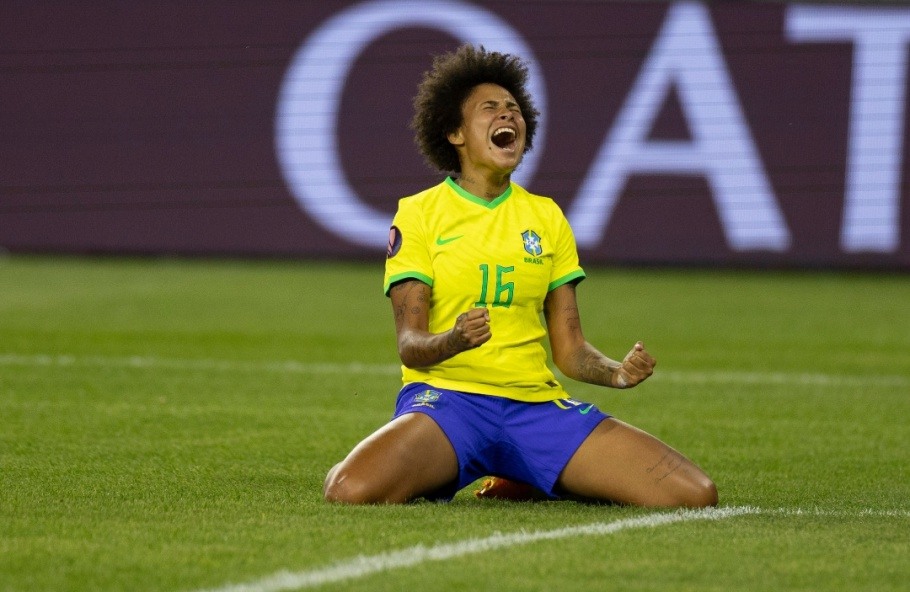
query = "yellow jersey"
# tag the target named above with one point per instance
(505, 255)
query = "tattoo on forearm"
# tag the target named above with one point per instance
(450, 345)
(593, 367)
(417, 346)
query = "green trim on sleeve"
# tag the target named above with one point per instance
(576, 275)
(414, 275)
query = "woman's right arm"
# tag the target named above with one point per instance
(417, 347)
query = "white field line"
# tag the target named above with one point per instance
(365, 565)
(780, 378)
(295, 367)
(822, 513)
(198, 364)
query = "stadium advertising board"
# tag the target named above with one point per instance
(672, 133)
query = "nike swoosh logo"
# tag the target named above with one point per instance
(444, 241)
(586, 409)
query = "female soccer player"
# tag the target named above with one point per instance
(471, 264)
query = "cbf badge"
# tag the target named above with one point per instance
(532, 243)
(426, 398)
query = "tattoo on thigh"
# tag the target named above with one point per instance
(668, 464)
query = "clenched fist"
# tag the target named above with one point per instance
(636, 366)
(472, 329)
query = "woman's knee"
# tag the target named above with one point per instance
(330, 489)
(701, 492)
(709, 496)
(345, 488)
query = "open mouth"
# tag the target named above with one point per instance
(505, 138)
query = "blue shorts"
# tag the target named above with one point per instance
(527, 442)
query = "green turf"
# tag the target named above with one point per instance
(166, 425)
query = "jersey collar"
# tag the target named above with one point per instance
(473, 198)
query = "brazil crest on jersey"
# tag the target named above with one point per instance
(505, 255)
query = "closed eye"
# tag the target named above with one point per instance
(510, 105)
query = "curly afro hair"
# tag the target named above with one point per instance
(444, 89)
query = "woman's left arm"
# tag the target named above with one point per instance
(578, 359)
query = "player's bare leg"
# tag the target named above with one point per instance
(622, 464)
(408, 457)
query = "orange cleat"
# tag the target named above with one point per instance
(501, 488)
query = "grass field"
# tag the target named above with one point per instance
(166, 425)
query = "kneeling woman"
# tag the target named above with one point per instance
(471, 264)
